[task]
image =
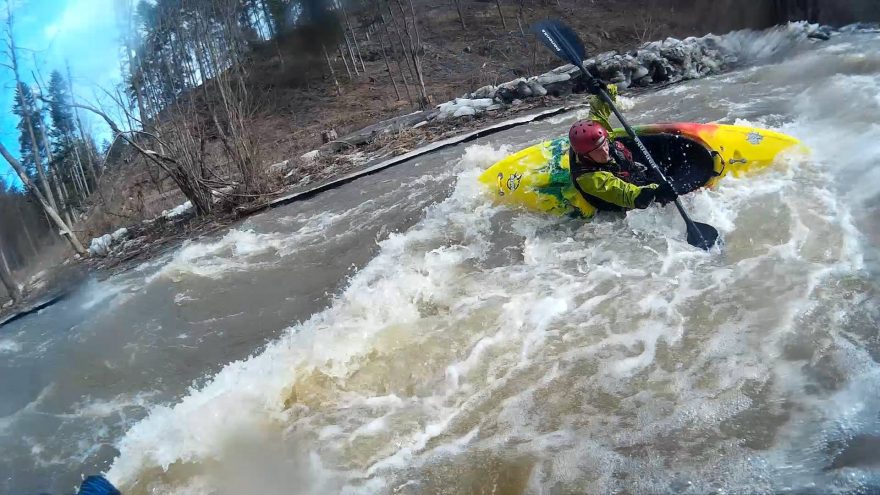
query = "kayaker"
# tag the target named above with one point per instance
(603, 170)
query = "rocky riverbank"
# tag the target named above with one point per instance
(653, 65)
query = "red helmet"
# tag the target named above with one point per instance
(586, 136)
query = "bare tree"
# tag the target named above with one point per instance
(415, 46)
(501, 13)
(45, 197)
(388, 67)
(12, 53)
(353, 35)
(460, 15)
(12, 287)
(50, 211)
(344, 61)
(391, 47)
(332, 71)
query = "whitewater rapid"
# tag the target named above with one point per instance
(479, 348)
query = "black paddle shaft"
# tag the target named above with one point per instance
(629, 130)
(565, 43)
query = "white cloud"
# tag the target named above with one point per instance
(81, 17)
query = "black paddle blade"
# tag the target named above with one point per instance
(702, 235)
(562, 40)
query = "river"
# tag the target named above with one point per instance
(402, 334)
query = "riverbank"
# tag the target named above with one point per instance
(652, 66)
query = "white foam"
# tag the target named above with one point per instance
(612, 354)
(9, 346)
(107, 407)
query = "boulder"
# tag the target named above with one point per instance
(485, 92)
(551, 78)
(310, 156)
(505, 94)
(100, 246)
(464, 111)
(537, 89)
(523, 90)
(119, 234)
(640, 72)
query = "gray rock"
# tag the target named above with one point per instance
(523, 90)
(281, 167)
(552, 77)
(119, 234)
(512, 84)
(505, 95)
(640, 72)
(100, 246)
(477, 103)
(516, 103)
(485, 92)
(675, 53)
(565, 69)
(537, 88)
(617, 78)
(605, 56)
(647, 57)
(608, 68)
(464, 111)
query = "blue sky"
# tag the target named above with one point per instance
(50, 33)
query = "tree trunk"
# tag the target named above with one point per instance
(388, 68)
(353, 36)
(406, 56)
(344, 61)
(414, 49)
(11, 285)
(26, 229)
(273, 29)
(26, 109)
(332, 72)
(38, 161)
(397, 59)
(500, 13)
(460, 16)
(50, 211)
(93, 165)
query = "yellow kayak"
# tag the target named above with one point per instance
(692, 156)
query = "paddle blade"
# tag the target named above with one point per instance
(97, 485)
(702, 235)
(561, 40)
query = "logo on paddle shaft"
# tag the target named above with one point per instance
(551, 40)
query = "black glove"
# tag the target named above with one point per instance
(595, 86)
(665, 193)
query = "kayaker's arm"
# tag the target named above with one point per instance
(607, 187)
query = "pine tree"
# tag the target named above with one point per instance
(63, 125)
(26, 146)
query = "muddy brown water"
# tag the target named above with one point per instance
(402, 334)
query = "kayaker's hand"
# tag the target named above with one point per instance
(664, 193)
(646, 196)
